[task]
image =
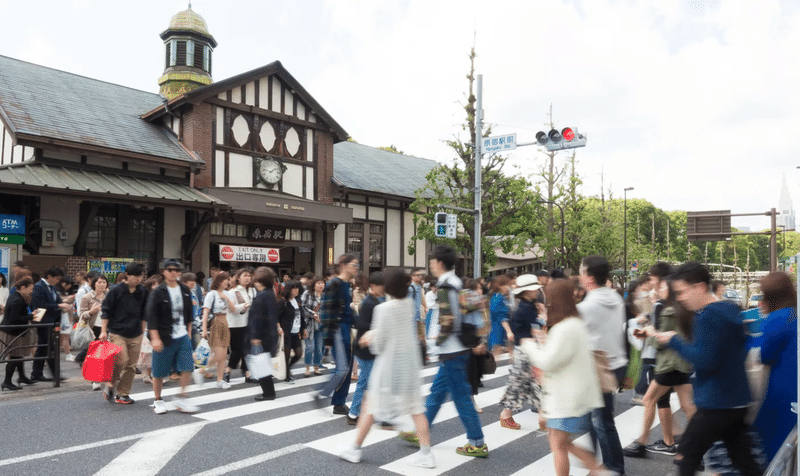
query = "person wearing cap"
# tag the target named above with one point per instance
(169, 320)
(522, 388)
(123, 325)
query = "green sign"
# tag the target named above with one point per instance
(12, 239)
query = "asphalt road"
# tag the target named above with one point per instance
(72, 430)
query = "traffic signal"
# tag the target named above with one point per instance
(566, 138)
(440, 222)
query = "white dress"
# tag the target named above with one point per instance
(395, 382)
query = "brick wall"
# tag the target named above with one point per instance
(196, 132)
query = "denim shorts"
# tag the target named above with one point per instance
(575, 425)
(177, 355)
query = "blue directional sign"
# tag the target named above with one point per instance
(12, 224)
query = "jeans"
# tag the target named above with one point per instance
(605, 431)
(365, 366)
(452, 379)
(339, 385)
(314, 347)
(428, 316)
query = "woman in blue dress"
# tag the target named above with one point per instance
(500, 314)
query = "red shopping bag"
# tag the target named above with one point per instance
(99, 363)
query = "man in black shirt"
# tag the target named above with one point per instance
(123, 324)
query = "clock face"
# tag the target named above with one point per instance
(270, 171)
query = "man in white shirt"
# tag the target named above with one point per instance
(603, 311)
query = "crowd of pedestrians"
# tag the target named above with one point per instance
(573, 344)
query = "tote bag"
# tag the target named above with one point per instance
(99, 363)
(259, 363)
(279, 362)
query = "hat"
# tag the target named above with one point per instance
(171, 263)
(526, 282)
(542, 272)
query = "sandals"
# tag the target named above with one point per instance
(510, 423)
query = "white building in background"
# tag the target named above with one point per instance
(785, 209)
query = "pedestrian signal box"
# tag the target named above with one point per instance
(446, 224)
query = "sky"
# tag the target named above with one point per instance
(687, 101)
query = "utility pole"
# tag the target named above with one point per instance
(477, 255)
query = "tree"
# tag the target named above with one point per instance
(507, 201)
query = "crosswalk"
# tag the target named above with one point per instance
(295, 431)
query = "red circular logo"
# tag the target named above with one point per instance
(272, 255)
(227, 252)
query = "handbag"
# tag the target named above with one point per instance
(488, 364)
(99, 363)
(259, 363)
(608, 381)
(279, 363)
(80, 337)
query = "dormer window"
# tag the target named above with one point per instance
(173, 52)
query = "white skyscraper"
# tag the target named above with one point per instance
(785, 209)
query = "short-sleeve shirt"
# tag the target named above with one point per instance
(216, 303)
(176, 301)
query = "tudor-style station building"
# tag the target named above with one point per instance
(250, 170)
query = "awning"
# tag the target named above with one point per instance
(93, 185)
(263, 204)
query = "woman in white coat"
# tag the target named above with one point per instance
(394, 384)
(571, 388)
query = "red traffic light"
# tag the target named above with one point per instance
(568, 134)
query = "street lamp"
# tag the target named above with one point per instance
(625, 239)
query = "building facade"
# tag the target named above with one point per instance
(246, 171)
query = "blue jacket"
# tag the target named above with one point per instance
(717, 351)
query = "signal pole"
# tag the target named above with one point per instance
(477, 255)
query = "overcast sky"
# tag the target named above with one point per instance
(690, 102)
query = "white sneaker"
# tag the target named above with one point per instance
(184, 405)
(95, 385)
(422, 460)
(159, 407)
(350, 454)
(223, 385)
(198, 376)
(70, 358)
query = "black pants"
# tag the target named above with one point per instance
(291, 341)
(42, 350)
(475, 371)
(238, 336)
(267, 387)
(12, 367)
(708, 426)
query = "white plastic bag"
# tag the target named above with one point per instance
(80, 337)
(201, 353)
(259, 363)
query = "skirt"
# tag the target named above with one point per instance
(574, 425)
(18, 348)
(220, 335)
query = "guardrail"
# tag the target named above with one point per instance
(53, 347)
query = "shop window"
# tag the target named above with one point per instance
(355, 238)
(101, 240)
(375, 247)
(119, 231)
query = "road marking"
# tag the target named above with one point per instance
(246, 463)
(276, 426)
(88, 446)
(332, 444)
(259, 407)
(150, 454)
(629, 427)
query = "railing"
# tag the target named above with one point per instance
(53, 347)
